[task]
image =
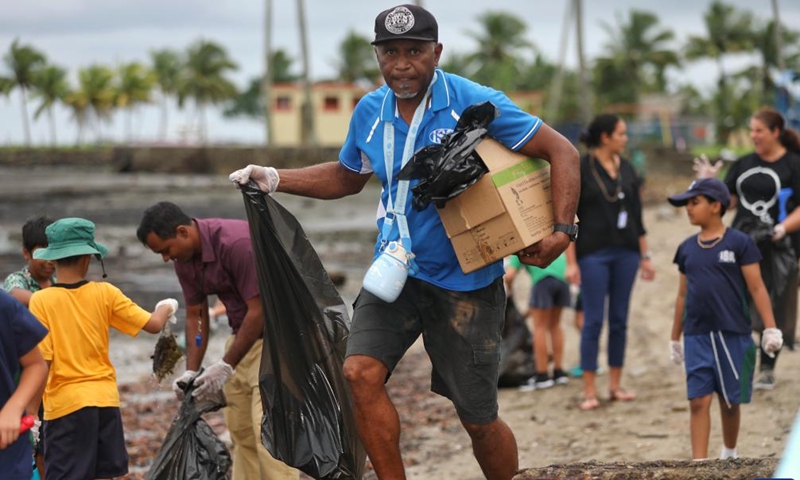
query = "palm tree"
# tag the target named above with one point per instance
(727, 31)
(765, 44)
(166, 66)
(51, 86)
(458, 63)
(268, 78)
(204, 81)
(78, 103)
(23, 61)
(250, 103)
(6, 86)
(308, 133)
(501, 43)
(96, 86)
(640, 48)
(134, 84)
(357, 59)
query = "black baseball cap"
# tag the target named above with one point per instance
(710, 187)
(408, 22)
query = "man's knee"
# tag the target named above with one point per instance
(362, 371)
(480, 431)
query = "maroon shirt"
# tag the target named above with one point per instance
(226, 268)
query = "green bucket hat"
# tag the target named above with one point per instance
(70, 237)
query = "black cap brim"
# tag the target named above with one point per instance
(400, 37)
(681, 199)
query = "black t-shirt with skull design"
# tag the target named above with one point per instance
(758, 184)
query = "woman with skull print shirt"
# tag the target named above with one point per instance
(756, 181)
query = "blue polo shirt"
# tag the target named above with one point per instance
(20, 332)
(363, 153)
(716, 293)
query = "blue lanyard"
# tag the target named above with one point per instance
(397, 209)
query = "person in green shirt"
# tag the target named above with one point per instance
(549, 295)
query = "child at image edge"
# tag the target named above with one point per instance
(718, 266)
(20, 332)
(82, 429)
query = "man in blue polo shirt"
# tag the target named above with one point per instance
(460, 316)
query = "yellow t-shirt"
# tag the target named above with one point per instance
(78, 318)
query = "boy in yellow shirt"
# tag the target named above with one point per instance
(82, 431)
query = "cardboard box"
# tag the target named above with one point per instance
(508, 209)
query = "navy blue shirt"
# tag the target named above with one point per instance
(363, 152)
(717, 298)
(20, 332)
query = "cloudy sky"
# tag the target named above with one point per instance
(77, 33)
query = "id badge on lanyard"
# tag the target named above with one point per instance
(622, 218)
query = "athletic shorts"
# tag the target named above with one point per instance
(462, 332)
(722, 363)
(550, 292)
(85, 444)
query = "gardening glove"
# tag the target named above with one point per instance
(211, 381)
(778, 232)
(173, 305)
(180, 383)
(35, 431)
(266, 178)
(771, 341)
(704, 169)
(676, 351)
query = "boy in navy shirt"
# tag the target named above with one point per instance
(20, 333)
(718, 267)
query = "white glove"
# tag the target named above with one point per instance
(212, 380)
(676, 351)
(185, 378)
(771, 341)
(704, 169)
(266, 178)
(173, 305)
(778, 232)
(35, 431)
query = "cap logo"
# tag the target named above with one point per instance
(399, 21)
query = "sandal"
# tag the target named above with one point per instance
(618, 394)
(589, 403)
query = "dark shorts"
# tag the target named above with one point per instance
(86, 444)
(550, 292)
(723, 365)
(462, 332)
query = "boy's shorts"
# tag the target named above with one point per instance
(735, 358)
(550, 292)
(88, 443)
(462, 332)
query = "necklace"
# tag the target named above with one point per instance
(711, 243)
(617, 195)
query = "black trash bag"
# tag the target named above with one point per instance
(446, 170)
(191, 449)
(780, 274)
(516, 349)
(308, 420)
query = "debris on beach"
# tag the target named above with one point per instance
(166, 355)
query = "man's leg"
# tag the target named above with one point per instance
(376, 417)
(243, 418)
(495, 448)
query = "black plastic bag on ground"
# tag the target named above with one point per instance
(445, 170)
(191, 449)
(308, 420)
(516, 349)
